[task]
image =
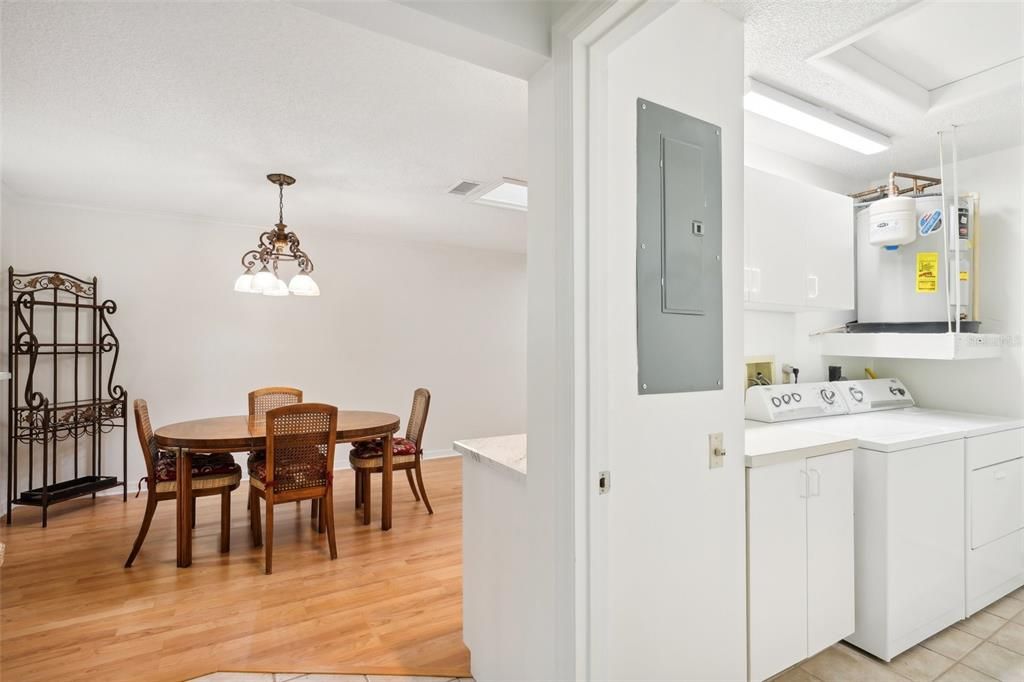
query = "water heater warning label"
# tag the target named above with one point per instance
(927, 272)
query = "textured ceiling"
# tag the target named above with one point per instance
(781, 34)
(184, 107)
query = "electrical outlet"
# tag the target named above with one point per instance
(716, 450)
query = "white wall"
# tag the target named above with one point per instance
(676, 559)
(788, 337)
(392, 316)
(548, 628)
(989, 386)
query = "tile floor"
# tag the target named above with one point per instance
(987, 646)
(303, 677)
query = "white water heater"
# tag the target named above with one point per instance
(903, 286)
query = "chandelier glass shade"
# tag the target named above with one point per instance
(276, 245)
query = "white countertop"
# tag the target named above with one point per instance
(505, 452)
(768, 444)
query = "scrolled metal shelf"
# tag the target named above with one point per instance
(42, 281)
(40, 304)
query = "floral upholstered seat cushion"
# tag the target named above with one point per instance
(312, 470)
(375, 448)
(202, 465)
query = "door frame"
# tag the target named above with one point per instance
(581, 43)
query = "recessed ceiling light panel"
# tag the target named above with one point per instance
(506, 193)
(796, 113)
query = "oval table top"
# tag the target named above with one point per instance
(241, 432)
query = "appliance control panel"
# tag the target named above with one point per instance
(786, 402)
(872, 395)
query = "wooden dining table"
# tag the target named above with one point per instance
(242, 434)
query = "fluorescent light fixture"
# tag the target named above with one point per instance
(507, 193)
(796, 113)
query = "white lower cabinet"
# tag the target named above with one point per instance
(995, 517)
(800, 560)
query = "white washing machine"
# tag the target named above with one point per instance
(939, 505)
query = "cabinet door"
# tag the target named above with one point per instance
(777, 567)
(827, 256)
(830, 559)
(773, 238)
(995, 502)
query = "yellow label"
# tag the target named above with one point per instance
(963, 276)
(927, 272)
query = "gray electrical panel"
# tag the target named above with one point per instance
(679, 251)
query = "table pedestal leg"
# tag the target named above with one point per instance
(387, 479)
(184, 503)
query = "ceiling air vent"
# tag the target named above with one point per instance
(463, 187)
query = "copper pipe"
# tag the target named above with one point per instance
(920, 183)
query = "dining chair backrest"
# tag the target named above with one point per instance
(147, 440)
(300, 446)
(262, 400)
(418, 417)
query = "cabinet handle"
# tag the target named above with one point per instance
(815, 478)
(812, 291)
(804, 484)
(755, 280)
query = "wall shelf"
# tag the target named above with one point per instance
(949, 346)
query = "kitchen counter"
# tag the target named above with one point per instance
(496, 555)
(768, 444)
(503, 452)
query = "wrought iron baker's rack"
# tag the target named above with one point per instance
(62, 398)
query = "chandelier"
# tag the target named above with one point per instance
(277, 245)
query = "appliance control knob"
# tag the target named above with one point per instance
(857, 394)
(776, 402)
(786, 399)
(796, 397)
(828, 396)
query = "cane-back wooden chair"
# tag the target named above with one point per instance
(211, 475)
(367, 457)
(263, 399)
(299, 465)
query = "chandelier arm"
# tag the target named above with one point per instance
(267, 239)
(301, 257)
(251, 258)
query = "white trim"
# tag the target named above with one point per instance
(617, 22)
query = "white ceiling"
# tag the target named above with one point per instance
(910, 43)
(781, 35)
(184, 107)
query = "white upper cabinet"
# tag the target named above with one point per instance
(798, 245)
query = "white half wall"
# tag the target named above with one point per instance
(392, 316)
(675, 528)
(993, 386)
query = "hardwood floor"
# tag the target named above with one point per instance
(390, 604)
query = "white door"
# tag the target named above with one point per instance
(828, 248)
(774, 241)
(668, 544)
(777, 567)
(830, 560)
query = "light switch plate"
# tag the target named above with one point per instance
(716, 450)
